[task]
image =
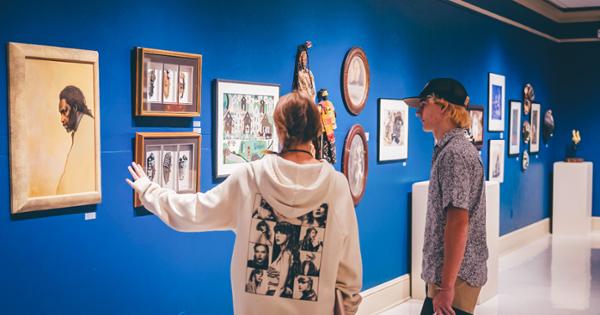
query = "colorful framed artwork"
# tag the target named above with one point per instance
(244, 123)
(356, 78)
(168, 83)
(170, 159)
(496, 161)
(496, 100)
(514, 138)
(54, 119)
(393, 130)
(356, 162)
(534, 147)
(475, 132)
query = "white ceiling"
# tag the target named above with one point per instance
(575, 4)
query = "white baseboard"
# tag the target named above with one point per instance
(523, 236)
(596, 224)
(385, 296)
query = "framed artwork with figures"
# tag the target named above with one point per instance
(475, 132)
(393, 130)
(496, 101)
(356, 80)
(356, 162)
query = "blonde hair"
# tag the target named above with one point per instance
(458, 114)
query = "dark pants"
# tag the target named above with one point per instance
(428, 308)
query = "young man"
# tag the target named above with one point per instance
(455, 250)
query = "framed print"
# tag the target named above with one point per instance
(534, 147)
(170, 159)
(475, 132)
(528, 98)
(526, 131)
(548, 126)
(356, 80)
(356, 162)
(514, 139)
(496, 100)
(244, 122)
(54, 119)
(525, 161)
(496, 161)
(168, 83)
(393, 130)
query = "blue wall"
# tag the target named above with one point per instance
(126, 261)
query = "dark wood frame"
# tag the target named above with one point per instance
(490, 160)
(140, 138)
(355, 109)
(140, 79)
(478, 144)
(356, 130)
(510, 123)
(539, 129)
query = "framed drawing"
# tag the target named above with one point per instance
(475, 132)
(496, 100)
(514, 138)
(534, 147)
(170, 159)
(356, 78)
(54, 118)
(496, 161)
(528, 98)
(393, 130)
(244, 123)
(356, 161)
(167, 83)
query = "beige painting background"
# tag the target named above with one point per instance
(48, 142)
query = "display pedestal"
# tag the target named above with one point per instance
(572, 199)
(419, 212)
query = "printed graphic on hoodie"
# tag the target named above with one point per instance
(284, 254)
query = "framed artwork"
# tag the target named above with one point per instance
(244, 123)
(496, 161)
(528, 98)
(356, 162)
(356, 79)
(167, 83)
(526, 131)
(548, 126)
(170, 159)
(475, 132)
(525, 161)
(514, 139)
(393, 130)
(54, 118)
(496, 100)
(534, 147)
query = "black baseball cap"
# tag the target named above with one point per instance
(446, 88)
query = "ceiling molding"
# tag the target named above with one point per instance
(560, 16)
(522, 26)
(571, 6)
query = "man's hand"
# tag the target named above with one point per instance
(442, 302)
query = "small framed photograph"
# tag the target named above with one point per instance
(356, 162)
(496, 100)
(356, 78)
(514, 140)
(168, 83)
(475, 132)
(534, 147)
(170, 159)
(244, 123)
(496, 161)
(393, 130)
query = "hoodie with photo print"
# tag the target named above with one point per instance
(296, 234)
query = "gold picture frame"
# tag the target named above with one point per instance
(53, 90)
(168, 83)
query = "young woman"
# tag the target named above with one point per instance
(317, 218)
(287, 186)
(265, 233)
(311, 242)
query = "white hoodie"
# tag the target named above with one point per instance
(288, 260)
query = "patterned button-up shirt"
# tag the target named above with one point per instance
(457, 180)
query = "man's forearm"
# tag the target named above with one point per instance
(455, 240)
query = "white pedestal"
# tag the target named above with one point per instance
(572, 199)
(419, 211)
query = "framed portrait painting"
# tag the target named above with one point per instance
(170, 159)
(496, 100)
(393, 130)
(168, 83)
(534, 147)
(356, 162)
(54, 118)
(496, 161)
(514, 138)
(356, 78)
(475, 132)
(244, 123)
